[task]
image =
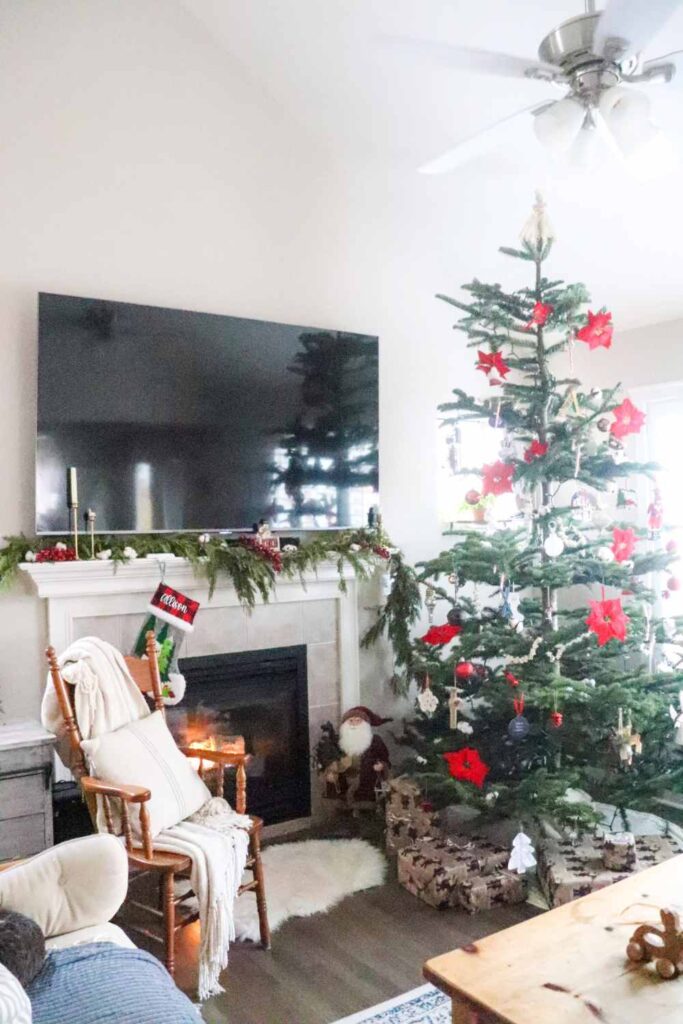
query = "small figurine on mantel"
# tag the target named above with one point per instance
(354, 762)
(265, 535)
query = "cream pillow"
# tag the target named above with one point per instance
(143, 753)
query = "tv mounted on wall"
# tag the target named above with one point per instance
(191, 421)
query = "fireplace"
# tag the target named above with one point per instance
(263, 696)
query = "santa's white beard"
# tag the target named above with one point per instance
(355, 739)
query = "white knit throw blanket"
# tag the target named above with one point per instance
(105, 694)
(217, 840)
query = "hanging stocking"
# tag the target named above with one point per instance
(170, 616)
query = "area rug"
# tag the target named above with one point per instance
(424, 1005)
(308, 878)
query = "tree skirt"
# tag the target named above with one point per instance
(424, 1005)
(308, 878)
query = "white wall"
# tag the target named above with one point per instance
(139, 163)
(647, 355)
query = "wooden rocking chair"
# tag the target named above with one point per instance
(144, 859)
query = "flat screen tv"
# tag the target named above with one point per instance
(191, 421)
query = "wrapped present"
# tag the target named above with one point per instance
(619, 851)
(403, 795)
(433, 869)
(481, 892)
(567, 870)
(407, 828)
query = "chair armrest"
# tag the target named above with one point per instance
(131, 794)
(223, 757)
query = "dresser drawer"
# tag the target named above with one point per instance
(21, 795)
(22, 837)
(24, 759)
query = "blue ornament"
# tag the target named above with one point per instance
(519, 727)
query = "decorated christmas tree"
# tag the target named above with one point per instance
(548, 669)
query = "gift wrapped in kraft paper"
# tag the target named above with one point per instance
(433, 869)
(482, 892)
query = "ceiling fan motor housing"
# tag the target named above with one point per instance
(571, 48)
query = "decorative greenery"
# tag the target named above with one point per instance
(215, 557)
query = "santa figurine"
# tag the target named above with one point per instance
(365, 755)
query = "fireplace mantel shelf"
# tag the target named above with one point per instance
(84, 578)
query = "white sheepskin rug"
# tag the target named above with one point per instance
(308, 878)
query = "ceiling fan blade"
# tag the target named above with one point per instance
(490, 138)
(461, 58)
(661, 69)
(627, 26)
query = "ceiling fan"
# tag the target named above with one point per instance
(596, 57)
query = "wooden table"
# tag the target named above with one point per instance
(568, 966)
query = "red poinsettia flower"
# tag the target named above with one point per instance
(598, 331)
(535, 451)
(467, 765)
(492, 361)
(623, 544)
(540, 314)
(627, 419)
(497, 478)
(607, 620)
(440, 634)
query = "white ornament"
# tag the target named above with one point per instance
(537, 228)
(420, 759)
(287, 548)
(105, 555)
(204, 538)
(553, 545)
(465, 728)
(427, 701)
(677, 717)
(30, 556)
(605, 554)
(60, 546)
(129, 553)
(522, 856)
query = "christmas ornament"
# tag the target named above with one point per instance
(603, 424)
(465, 671)
(673, 583)
(598, 331)
(522, 854)
(519, 727)
(539, 315)
(553, 545)
(536, 450)
(672, 547)
(427, 700)
(492, 361)
(627, 419)
(467, 766)
(473, 497)
(170, 617)
(655, 513)
(512, 680)
(537, 230)
(497, 478)
(454, 617)
(436, 635)
(516, 620)
(465, 728)
(556, 719)
(625, 741)
(623, 544)
(677, 719)
(454, 703)
(607, 620)
(605, 554)
(430, 604)
(584, 503)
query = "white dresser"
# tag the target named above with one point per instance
(25, 789)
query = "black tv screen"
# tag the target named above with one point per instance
(191, 421)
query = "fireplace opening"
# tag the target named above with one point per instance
(262, 696)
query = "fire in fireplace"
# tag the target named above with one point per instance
(262, 696)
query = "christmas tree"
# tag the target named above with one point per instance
(547, 668)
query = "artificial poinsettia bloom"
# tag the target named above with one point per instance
(535, 451)
(623, 544)
(607, 620)
(540, 314)
(627, 419)
(492, 361)
(598, 331)
(440, 634)
(497, 478)
(467, 765)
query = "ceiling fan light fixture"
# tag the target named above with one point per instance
(558, 125)
(626, 112)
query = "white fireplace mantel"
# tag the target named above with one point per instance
(103, 590)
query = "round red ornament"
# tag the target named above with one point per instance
(674, 584)
(464, 671)
(473, 497)
(556, 719)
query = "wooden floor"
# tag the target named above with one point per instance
(369, 948)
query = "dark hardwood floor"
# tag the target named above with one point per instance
(367, 949)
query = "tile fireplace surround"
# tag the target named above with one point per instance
(101, 599)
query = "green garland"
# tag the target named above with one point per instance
(250, 571)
